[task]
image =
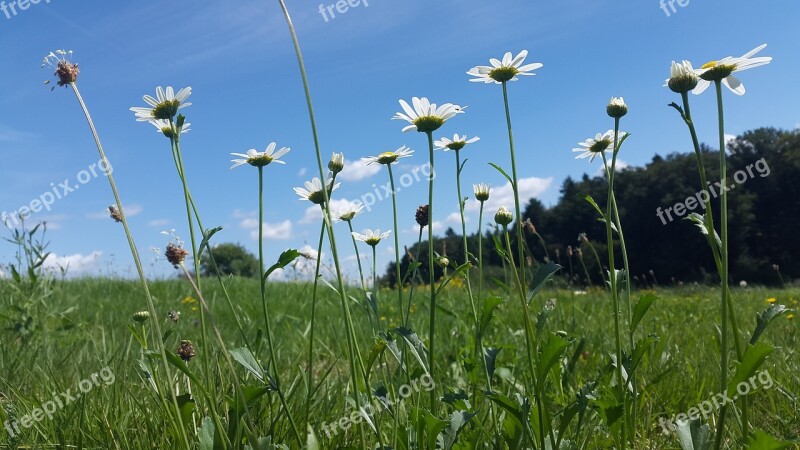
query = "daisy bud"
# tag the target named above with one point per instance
(503, 216)
(617, 108)
(422, 216)
(175, 254)
(481, 191)
(336, 163)
(141, 316)
(682, 77)
(444, 261)
(186, 351)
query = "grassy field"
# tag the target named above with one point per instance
(82, 330)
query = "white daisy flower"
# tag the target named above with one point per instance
(726, 67)
(313, 190)
(425, 116)
(593, 147)
(502, 71)
(481, 191)
(169, 130)
(682, 77)
(372, 238)
(457, 143)
(164, 106)
(260, 159)
(349, 212)
(387, 158)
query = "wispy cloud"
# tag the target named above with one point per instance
(270, 231)
(76, 264)
(358, 170)
(504, 196)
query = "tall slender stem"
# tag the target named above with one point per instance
(515, 187)
(138, 263)
(263, 279)
(396, 246)
(431, 272)
(328, 219)
(723, 176)
(309, 367)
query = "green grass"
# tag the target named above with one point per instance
(82, 326)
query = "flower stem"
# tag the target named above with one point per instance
(431, 272)
(328, 220)
(396, 246)
(139, 269)
(515, 187)
(263, 279)
(309, 367)
(723, 175)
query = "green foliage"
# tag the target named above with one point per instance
(231, 259)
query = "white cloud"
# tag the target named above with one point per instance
(270, 231)
(455, 218)
(239, 214)
(357, 170)
(437, 227)
(158, 223)
(314, 213)
(504, 196)
(302, 172)
(621, 165)
(77, 264)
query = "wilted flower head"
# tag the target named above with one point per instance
(114, 213)
(387, 158)
(602, 142)
(260, 159)
(164, 106)
(505, 70)
(425, 116)
(186, 351)
(141, 316)
(313, 190)
(421, 216)
(371, 237)
(175, 254)
(724, 69)
(457, 143)
(529, 227)
(65, 70)
(617, 108)
(170, 129)
(174, 316)
(682, 77)
(481, 191)
(336, 164)
(349, 212)
(503, 216)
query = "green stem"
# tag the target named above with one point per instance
(267, 322)
(139, 269)
(478, 347)
(328, 219)
(431, 273)
(396, 246)
(723, 175)
(621, 382)
(309, 367)
(515, 187)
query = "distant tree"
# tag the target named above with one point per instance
(232, 259)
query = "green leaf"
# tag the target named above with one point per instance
(245, 357)
(311, 441)
(205, 434)
(377, 348)
(186, 406)
(763, 441)
(693, 435)
(456, 422)
(642, 346)
(513, 409)
(414, 344)
(487, 312)
(207, 234)
(284, 260)
(489, 358)
(754, 356)
(460, 270)
(765, 318)
(641, 308)
(544, 273)
(551, 353)
(503, 172)
(591, 201)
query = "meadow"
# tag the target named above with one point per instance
(450, 351)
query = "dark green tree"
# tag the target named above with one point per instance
(232, 259)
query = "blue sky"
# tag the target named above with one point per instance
(239, 61)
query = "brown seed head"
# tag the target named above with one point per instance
(175, 254)
(114, 213)
(422, 216)
(186, 351)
